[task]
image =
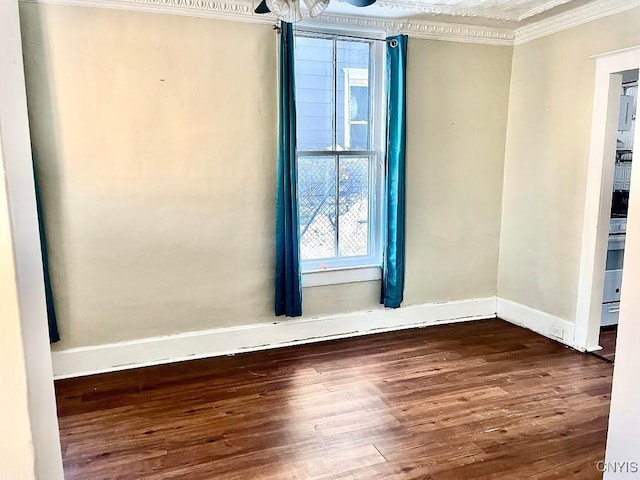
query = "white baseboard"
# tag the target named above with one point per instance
(540, 322)
(81, 361)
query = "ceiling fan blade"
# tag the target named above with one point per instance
(262, 7)
(361, 3)
(280, 8)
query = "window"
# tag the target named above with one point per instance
(339, 101)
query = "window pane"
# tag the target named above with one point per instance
(352, 96)
(314, 93)
(317, 205)
(336, 190)
(353, 222)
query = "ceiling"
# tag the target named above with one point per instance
(491, 13)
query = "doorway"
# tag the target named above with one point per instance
(609, 186)
(627, 110)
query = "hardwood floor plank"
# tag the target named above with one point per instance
(479, 400)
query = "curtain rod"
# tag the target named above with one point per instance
(277, 28)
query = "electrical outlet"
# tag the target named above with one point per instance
(556, 332)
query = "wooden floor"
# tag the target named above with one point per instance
(479, 400)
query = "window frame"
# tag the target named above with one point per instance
(366, 267)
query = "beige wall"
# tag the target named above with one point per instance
(156, 137)
(548, 133)
(456, 120)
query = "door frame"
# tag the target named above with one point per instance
(20, 224)
(600, 172)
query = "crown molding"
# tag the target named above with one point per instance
(417, 29)
(572, 18)
(233, 10)
(457, 33)
(242, 11)
(417, 7)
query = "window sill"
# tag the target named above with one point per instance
(317, 278)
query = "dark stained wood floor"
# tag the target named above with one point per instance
(479, 400)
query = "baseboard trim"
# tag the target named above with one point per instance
(545, 324)
(82, 361)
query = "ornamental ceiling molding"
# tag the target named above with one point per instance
(436, 10)
(239, 10)
(418, 29)
(572, 18)
(233, 10)
(458, 32)
(417, 7)
(242, 11)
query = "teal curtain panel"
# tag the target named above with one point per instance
(394, 228)
(54, 335)
(288, 299)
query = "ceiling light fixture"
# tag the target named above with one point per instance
(289, 10)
